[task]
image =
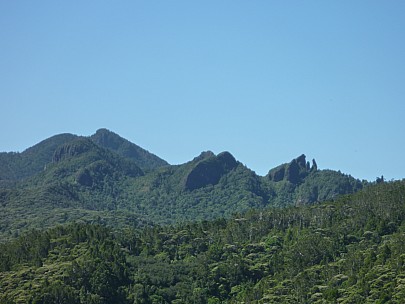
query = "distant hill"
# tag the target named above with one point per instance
(106, 178)
(15, 166)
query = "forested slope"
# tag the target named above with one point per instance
(15, 166)
(347, 251)
(113, 142)
(108, 179)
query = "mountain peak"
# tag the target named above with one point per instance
(294, 171)
(113, 142)
(107, 139)
(210, 169)
(203, 155)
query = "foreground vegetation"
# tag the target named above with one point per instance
(351, 250)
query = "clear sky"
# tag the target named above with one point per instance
(265, 80)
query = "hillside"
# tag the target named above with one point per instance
(16, 166)
(113, 142)
(350, 250)
(93, 179)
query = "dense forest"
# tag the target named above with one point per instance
(349, 250)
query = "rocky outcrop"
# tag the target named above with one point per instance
(294, 172)
(277, 174)
(203, 155)
(209, 170)
(314, 166)
(71, 149)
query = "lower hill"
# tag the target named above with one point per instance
(350, 250)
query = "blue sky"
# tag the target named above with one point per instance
(265, 80)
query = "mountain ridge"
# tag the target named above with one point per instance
(19, 165)
(15, 166)
(112, 141)
(95, 177)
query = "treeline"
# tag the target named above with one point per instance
(351, 250)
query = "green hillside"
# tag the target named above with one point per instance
(93, 180)
(16, 166)
(350, 250)
(112, 141)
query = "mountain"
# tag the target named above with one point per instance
(210, 170)
(16, 166)
(294, 172)
(89, 164)
(350, 250)
(82, 181)
(302, 183)
(111, 141)
(105, 178)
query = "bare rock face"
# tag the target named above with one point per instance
(71, 149)
(294, 172)
(277, 174)
(209, 170)
(204, 155)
